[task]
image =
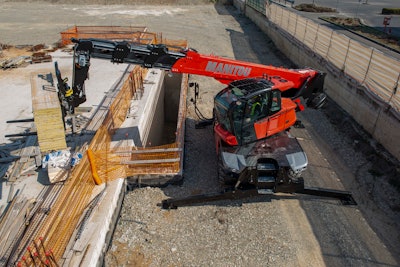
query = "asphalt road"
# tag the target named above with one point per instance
(369, 11)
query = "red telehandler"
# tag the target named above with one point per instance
(251, 116)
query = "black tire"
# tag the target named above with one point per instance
(223, 178)
(318, 101)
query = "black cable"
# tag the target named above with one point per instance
(204, 121)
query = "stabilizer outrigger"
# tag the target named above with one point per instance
(345, 197)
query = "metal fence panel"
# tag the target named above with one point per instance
(292, 23)
(357, 60)
(301, 28)
(258, 5)
(323, 41)
(338, 50)
(285, 19)
(274, 13)
(383, 77)
(311, 34)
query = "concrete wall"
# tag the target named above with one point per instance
(172, 96)
(166, 105)
(374, 116)
(240, 5)
(157, 124)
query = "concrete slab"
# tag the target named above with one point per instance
(30, 182)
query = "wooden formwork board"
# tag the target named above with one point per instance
(47, 113)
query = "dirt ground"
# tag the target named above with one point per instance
(355, 25)
(283, 230)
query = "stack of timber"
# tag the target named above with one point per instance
(40, 57)
(47, 113)
(13, 62)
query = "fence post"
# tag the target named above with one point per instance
(345, 58)
(329, 46)
(305, 31)
(394, 89)
(316, 37)
(369, 64)
(295, 26)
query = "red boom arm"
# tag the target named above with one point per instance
(228, 70)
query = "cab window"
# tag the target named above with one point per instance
(275, 102)
(222, 117)
(257, 107)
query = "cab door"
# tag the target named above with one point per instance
(274, 120)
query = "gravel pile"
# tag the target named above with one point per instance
(199, 236)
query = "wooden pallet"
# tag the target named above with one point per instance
(41, 57)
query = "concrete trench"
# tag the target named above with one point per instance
(160, 121)
(164, 123)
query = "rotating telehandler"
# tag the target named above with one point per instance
(251, 116)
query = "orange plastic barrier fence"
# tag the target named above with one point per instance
(62, 220)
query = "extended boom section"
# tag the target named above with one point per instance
(306, 83)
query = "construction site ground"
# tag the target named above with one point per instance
(283, 230)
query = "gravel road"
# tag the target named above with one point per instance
(283, 230)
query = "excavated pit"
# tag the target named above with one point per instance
(164, 130)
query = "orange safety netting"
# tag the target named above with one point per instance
(62, 220)
(133, 34)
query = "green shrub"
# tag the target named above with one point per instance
(388, 11)
(314, 8)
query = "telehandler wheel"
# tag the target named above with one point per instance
(223, 178)
(318, 101)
